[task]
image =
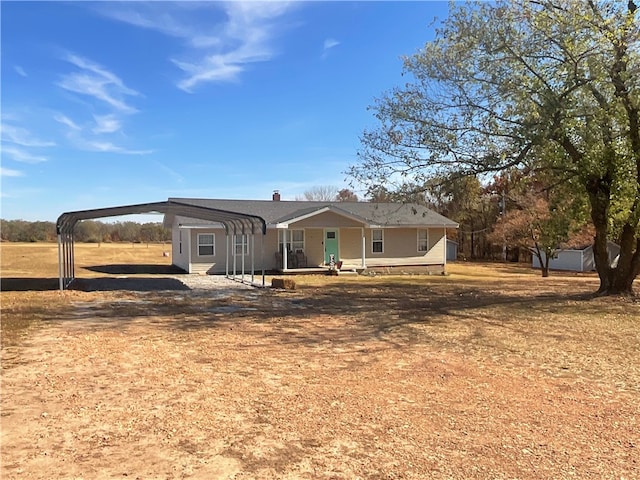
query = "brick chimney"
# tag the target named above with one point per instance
(276, 196)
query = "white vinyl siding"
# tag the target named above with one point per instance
(423, 240)
(206, 244)
(295, 240)
(377, 240)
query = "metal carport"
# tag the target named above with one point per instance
(234, 224)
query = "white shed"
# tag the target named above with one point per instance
(452, 250)
(578, 259)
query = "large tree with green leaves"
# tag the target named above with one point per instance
(551, 86)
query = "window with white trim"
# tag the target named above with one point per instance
(295, 240)
(241, 245)
(423, 240)
(377, 240)
(206, 244)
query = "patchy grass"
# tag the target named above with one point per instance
(489, 372)
(40, 260)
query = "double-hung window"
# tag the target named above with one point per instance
(423, 240)
(206, 244)
(241, 247)
(377, 240)
(295, 240)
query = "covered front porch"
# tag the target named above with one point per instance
(324, 240)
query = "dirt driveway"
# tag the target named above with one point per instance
(345, 381)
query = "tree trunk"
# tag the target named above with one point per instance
(544, 260)
(473, 252)
(627, 269)
(613, 280)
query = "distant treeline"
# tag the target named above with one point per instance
(86, 231)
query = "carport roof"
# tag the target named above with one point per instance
(232, 221)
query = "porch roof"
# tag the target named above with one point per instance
(303, 214)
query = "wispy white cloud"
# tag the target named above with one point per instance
(7, 172)
(97, 82)
(109, 93)
(95, 136)
(175, 175)
(22, 136)
(20, 71)
(63, 119)
(329, 43)
(106, 124)
(222, 39)
(21, 155)
(109, 147)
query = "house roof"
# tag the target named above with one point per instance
(283, 212)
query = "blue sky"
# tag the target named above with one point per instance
(117, 103)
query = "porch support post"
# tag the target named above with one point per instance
(364, 249)
(187, 248)
(446, 247)
(285, 249)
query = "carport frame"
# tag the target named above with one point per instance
(234, 223)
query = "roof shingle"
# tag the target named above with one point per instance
(383, 214)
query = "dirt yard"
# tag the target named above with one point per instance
(490, 372)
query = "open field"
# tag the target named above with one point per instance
(489, 372)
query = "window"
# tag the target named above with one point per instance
(423, 240)
(241, 247)
(295, 240)
(206, 244)
(377, 241)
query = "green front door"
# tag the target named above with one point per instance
(330, 245)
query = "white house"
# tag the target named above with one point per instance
(300, 234)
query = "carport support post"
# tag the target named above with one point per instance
(73, 257)
(227, 255)
(244, 244)
(262, 256)
(68, 260)
(235, 254)
(65, 259)
(60, 270)
(253, 248)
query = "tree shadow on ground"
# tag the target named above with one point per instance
(393, 314)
